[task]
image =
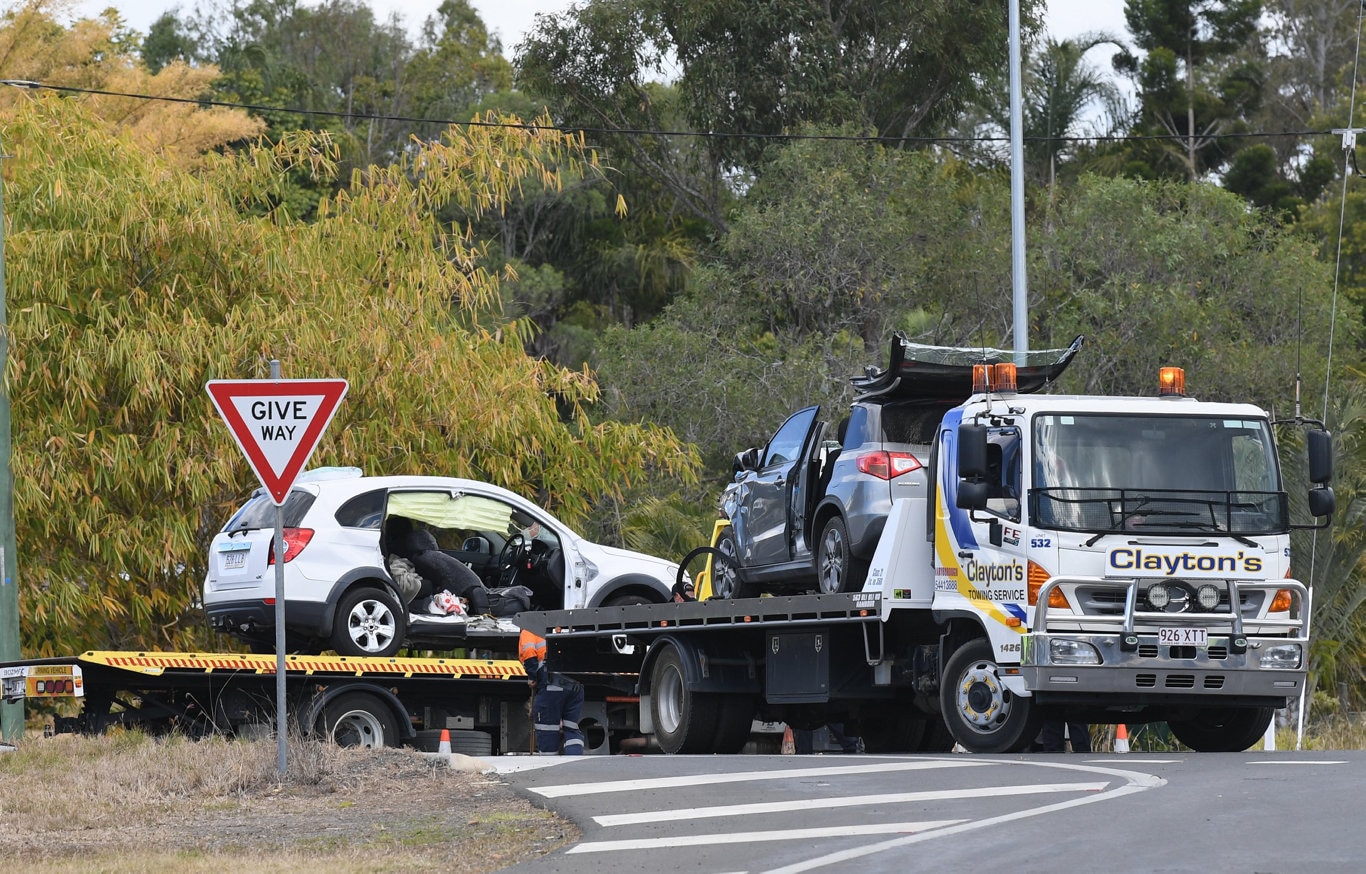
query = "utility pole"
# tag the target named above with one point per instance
(11, 714)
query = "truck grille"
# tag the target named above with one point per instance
(1109, 601)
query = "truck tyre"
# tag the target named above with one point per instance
(836, 568)
(685, 721)
(982, 713)
(356, 719)
(725, 574)
(469, 741)
(369, 623)
(1222, 729)
(734, 719)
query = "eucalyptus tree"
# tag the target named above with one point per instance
(747, 74)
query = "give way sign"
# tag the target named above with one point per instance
(277, 422)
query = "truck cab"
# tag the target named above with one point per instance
(1119, 549)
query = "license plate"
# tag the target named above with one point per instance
(1183, 636)
(233, 561)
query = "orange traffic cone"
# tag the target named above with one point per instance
(789, 747)
(445, 747)
(1121, 738)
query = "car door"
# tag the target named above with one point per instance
(769, 495)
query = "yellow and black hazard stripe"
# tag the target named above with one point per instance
(158, 663)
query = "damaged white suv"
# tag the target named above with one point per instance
(339, 594)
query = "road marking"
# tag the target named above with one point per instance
(759, 837)
(1136, 781)
(1297, 762)
(882, 767)
(848, 801)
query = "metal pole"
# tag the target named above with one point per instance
(281, 723)
(11, 714)
(1019, 280)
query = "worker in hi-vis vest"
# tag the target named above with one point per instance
(556, 699)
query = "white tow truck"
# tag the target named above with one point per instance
(1100, 559)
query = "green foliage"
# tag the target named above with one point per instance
(1064, 96)
(1333, 561)
(1173, 273)
(717, 381)
(756, 70)
(376, 87)
(131, 284)
(1201, 77)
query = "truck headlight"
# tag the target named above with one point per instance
(1062, 651)
(1285, 657)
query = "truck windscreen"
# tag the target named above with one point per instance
(1155, 475)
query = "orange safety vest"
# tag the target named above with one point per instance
(530, 646)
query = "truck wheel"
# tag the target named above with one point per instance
(836, 568)
(982, 713)
(358, 720)
(369, 623)
(725, 572)
(685, 721)
(1222, 729)
(735, 718)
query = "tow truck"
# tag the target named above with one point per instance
(1099, 559)
(353, 701)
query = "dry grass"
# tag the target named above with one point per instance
(128, 803)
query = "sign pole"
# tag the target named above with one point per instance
(277, 423)
(281, 723)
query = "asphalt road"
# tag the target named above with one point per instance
(1183, 812)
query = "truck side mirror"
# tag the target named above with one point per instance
(972, 452)
(972, 467)
(1322, 502)
(1320, 445)
(972, 494)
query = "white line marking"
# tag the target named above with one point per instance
(848, 801)
(1297, 762)
(1137, 781)
(757, 837)
(566, 790)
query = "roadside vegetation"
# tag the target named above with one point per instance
(594, 266)
(128, 802)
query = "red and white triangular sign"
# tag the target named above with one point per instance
(277, 422)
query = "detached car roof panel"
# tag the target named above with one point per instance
(916, 371)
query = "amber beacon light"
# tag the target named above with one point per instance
(1171, 382)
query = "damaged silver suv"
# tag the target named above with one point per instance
(807, 509)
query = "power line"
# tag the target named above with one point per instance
(645, 132)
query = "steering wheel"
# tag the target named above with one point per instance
(515, 552)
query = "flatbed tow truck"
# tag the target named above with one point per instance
(355, 701)
(1098, 559)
